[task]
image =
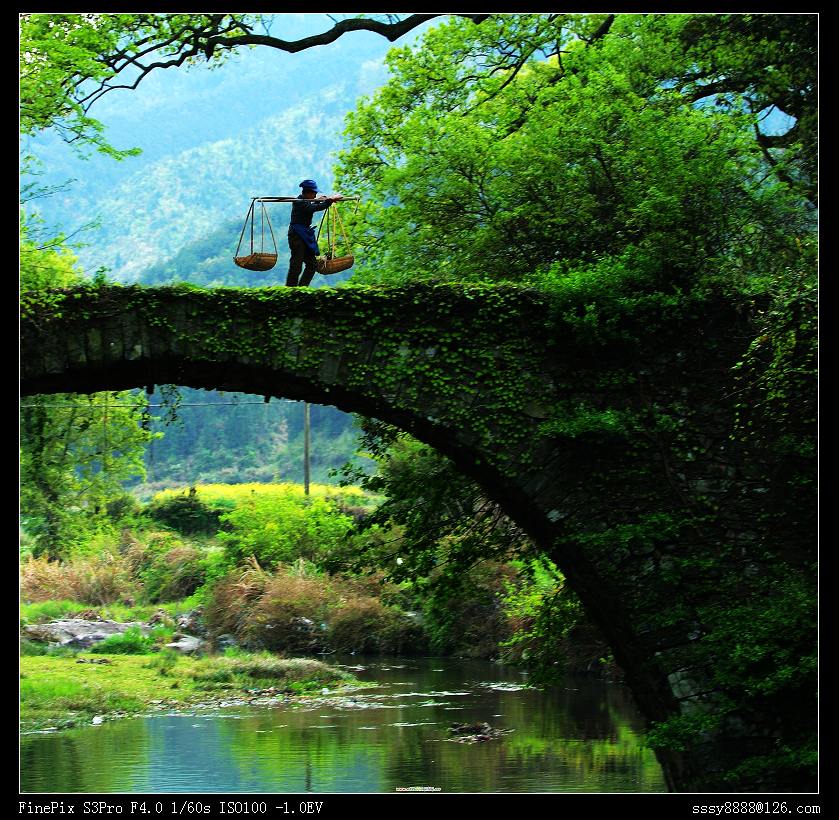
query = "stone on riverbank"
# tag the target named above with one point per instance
(187, 645)
(79, 633)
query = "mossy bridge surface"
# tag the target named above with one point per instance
(605, 433)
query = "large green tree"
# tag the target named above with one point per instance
(76, 453)
(599, 156)
(532, 145)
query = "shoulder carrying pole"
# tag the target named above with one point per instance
(341, 198)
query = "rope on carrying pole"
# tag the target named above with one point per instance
(261, 261)
(343, 231)
(324, 219)
(245, 225)
(333, 221)
(268, 220)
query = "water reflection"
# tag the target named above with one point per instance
(582, 736)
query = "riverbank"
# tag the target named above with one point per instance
(62, 691)
(247, 567)
(392, 732)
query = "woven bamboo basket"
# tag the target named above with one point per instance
(326, 265)
(256, 261)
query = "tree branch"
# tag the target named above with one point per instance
(390, 31)
(194, 40)
(766, 141)
(602, 30)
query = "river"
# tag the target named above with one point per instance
(581, 736)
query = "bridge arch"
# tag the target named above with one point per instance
(526, 395)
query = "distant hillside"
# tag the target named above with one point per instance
(179, 200)
(235, 438)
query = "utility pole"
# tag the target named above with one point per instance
(306, 434)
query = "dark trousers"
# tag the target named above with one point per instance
(300, 253)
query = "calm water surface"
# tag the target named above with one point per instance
(581, 736)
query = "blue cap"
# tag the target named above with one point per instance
(309, 184)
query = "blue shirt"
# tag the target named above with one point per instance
(303, 209)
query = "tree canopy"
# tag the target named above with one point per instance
(76, 451)
(530, 145)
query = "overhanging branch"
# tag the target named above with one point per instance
(216, 35)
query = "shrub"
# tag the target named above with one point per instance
(278, 612)
(281, 528)
(130, 642)
(354, 626)
(44, 580)
(168, 568)
(185, 512)
(289, 614)
(290, 611)
(101, 580)
(215, 564)
(173, 575)
(230, 599)
(366, 625)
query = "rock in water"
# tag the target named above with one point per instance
(475, 732)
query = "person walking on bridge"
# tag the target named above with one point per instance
(301, 234)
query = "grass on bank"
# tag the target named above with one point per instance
(59, 690)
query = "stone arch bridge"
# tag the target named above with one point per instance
(594, 428)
